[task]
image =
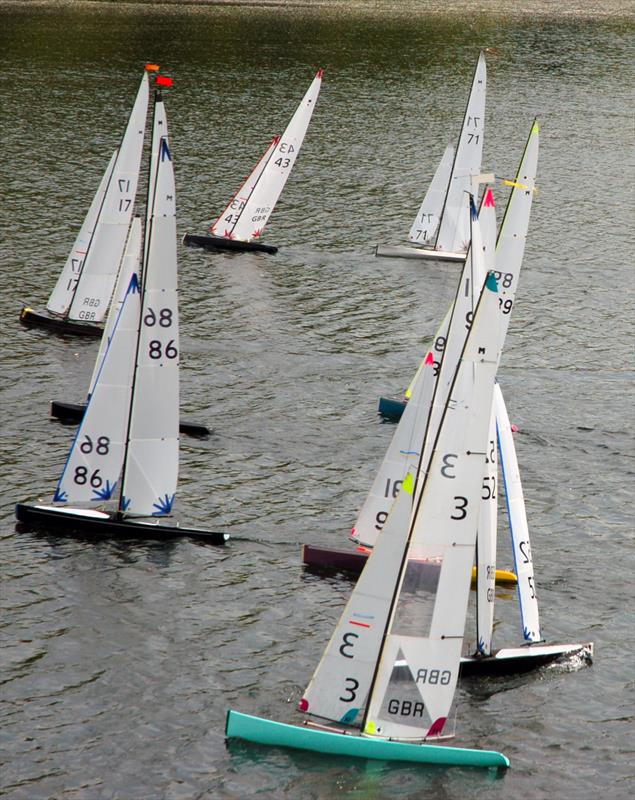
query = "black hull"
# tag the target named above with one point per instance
(390, 408)
(219, 244)
(72, 413)
(79, 525)
(59, 325)
(512, 662)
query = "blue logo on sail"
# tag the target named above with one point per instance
(165, 150)
(104, 493)
(163, 505)
(60, 497)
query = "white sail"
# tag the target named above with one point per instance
(404, 450)
(426, 222)
(91, 473)
(339, 687)
(512, 236)
(454, 234)
(523, 564)
(62, 295)
(224, 225)
(486, 547)
(418, 669)
(509, 252)
(151, 466)
(101, 263)
(268, 188)
(129, 265)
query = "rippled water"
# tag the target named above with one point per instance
(121, 658)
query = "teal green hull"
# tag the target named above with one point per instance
(277, 734)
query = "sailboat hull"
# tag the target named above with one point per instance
(331, 558)
(88, 522)
(220, 244)
(278, 734)
(72, 413)
(523, 659)
(391, 408)
(403, 251)
(58, 324)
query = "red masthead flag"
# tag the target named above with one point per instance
(163, 80)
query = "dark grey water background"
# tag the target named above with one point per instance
(120, 658)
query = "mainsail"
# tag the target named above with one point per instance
(62, 295)
(430, 546)
(416, 677)
(510, 245)
(454, 234)
(258, 208)
(225, 224)
(523, 563)
(151, 466)
(426, 222)
(86, 285)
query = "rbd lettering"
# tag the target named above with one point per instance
(93, 302)
(434, 676)
(405, 708)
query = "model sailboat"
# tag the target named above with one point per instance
(83, 291)
(70, 413)
(241, 224)
(126, 450)
(385, 685)
(440, 229)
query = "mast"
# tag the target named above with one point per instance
(427, 618)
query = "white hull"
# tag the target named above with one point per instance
(403, 251)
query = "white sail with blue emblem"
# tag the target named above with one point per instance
(94, 289)
(151, 467)
(91, 474)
